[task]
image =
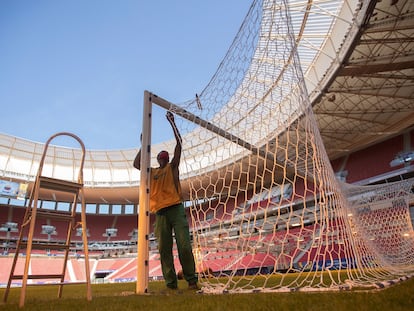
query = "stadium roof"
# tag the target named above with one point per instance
(359, 74)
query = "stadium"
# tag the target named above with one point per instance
(297, 168)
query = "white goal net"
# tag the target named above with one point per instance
(267, 212)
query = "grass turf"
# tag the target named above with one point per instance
(121, 296)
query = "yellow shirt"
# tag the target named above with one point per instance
(164, 193)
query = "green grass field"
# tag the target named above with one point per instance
(121, 296)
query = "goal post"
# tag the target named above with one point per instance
(144, 199)
(144, 190)
(203, 123)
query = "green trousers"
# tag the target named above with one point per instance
(169, 220)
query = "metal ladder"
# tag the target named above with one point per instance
(73, 190)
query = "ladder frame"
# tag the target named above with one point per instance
(30, 217)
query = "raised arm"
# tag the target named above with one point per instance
(137, 160)
(177, 151)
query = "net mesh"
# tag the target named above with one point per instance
(267, 212)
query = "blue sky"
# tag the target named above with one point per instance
(82, 66)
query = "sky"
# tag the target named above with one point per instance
(82, 66)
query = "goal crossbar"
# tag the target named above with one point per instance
(206, 124)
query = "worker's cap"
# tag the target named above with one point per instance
(163, 155)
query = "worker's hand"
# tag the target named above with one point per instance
(170, 116)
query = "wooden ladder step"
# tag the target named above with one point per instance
(46, 246)
(54, 215)
(59, 184)
(55, 283)
(38, 276)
